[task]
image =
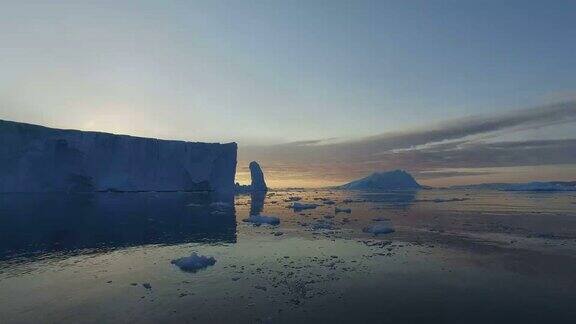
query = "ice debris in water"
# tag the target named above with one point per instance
(380, 228)
(194, 262)
(342, 210)
(262, 219)
(302, 206)
(323, 225)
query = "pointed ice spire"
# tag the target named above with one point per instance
(258, 183)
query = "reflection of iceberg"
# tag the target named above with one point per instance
(257, 202)
(393, 199)
(39, 223)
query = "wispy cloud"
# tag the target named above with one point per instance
(453, 144)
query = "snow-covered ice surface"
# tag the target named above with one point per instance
(107, 257)
(40, 159)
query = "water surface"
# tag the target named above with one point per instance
(455, 256)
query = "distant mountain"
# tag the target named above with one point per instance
(391, 180)
(529, 186)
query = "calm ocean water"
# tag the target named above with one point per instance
(454, 257)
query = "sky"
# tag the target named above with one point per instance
(319, 92)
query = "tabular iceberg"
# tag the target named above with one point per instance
(40, 159)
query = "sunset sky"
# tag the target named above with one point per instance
(320, 92)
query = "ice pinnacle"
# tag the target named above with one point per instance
(258, 183)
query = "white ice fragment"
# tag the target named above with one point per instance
(380, 228)
(194, 262)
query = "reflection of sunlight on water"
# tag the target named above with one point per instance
(79, 251)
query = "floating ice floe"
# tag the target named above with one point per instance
(379, 228)
(262, 219)
(293, 198)
(301, 206)
(194, 262)
(342, 210)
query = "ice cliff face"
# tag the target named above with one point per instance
(391, 180)
(39, 159)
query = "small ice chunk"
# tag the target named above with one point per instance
(194, 262)
(379, 228)
(342, 210)
(301, 206)
(262, 219)
(293, 198)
